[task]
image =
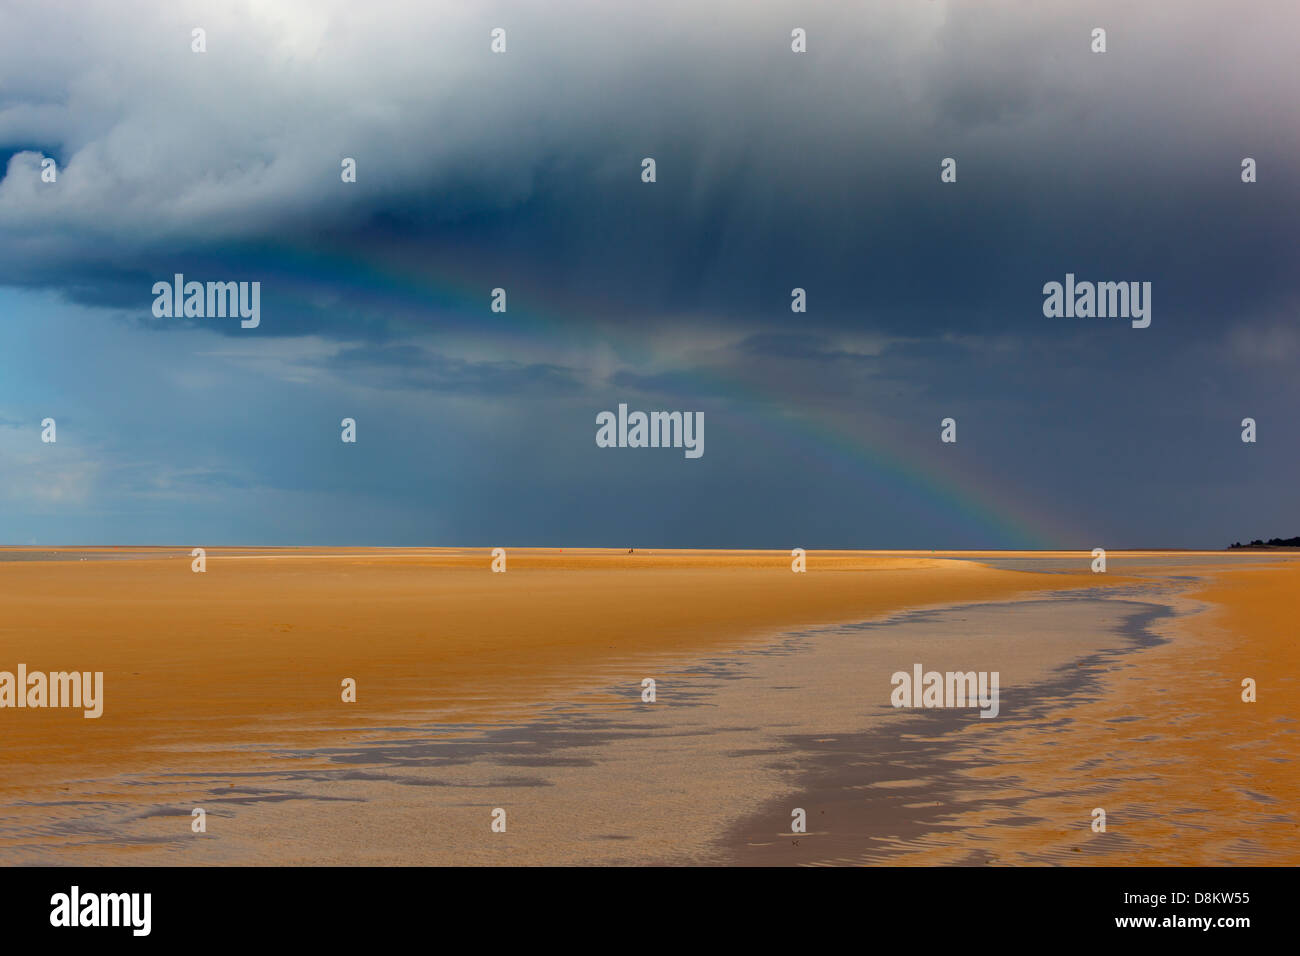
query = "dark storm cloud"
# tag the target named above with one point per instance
(774, 170)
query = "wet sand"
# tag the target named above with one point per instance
(522, 691)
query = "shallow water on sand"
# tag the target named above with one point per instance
(708, 773)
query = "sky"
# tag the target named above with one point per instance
(774, 170)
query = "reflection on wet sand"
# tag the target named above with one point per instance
(1104, 703)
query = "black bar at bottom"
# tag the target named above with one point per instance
(330, 906)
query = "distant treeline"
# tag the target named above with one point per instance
(1270, 543)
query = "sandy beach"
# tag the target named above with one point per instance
(523, 691)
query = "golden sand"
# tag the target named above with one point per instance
(1187, 772)
(214, 671)
(254, 650)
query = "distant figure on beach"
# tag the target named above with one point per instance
(630, 550)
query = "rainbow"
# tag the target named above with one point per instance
(397, 282)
